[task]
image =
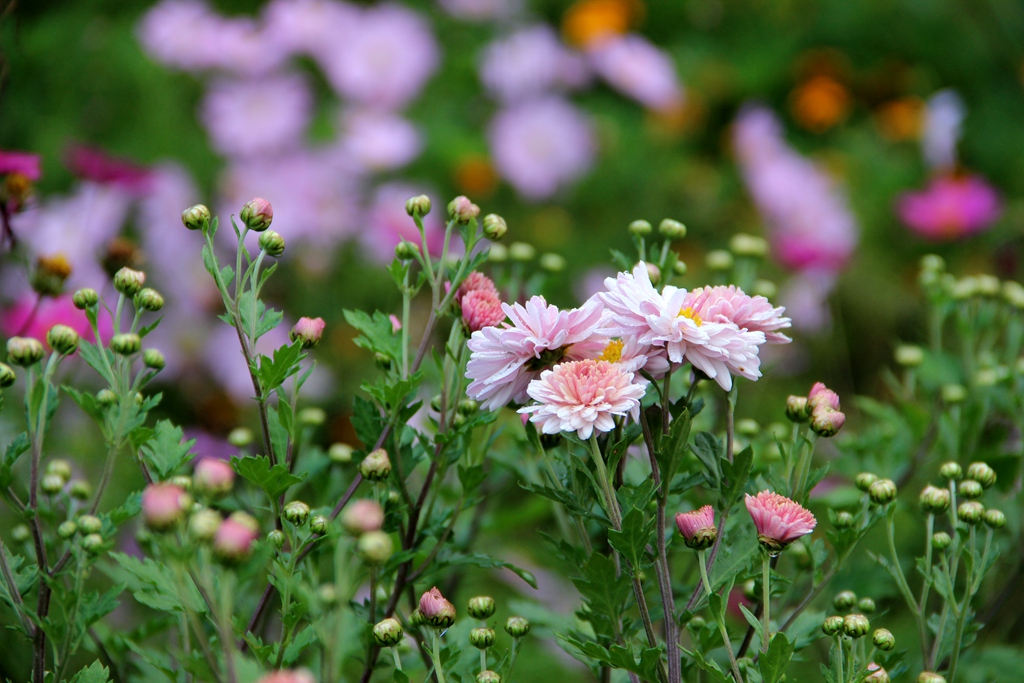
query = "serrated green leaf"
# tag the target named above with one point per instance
(165, 452)
(155, 585)
(274, 371)
(18, 446)
(366, 420)
(710, 451)
(272, 480)
(773, 663)
(377, 334)
(94, 673)
(93, 355)
(736, 475)
(633, 539)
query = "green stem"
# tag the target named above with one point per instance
(901, 580)
(766, 602)
(398, 660)
(926, 585)
(483, 660)
(839, 655)
(702, 562)
(438, 669)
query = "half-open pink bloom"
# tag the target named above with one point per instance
(820, 395)
(436, 609)
(698, 527)
(730, 304)
(952, 206)
(481, 308)
(581, 396)
(308, 331)
(505, 359)
(475, 281)
(235, 536)
(22, 163)
(779, 520)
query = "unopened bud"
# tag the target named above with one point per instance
(67, 529)
(51, 484)
(20, 533)
(640, 228)
(882, 492)
(866, 605)
(59, 467)
(363, 516)
(844, 600)
(909, 356)
(375, 547)
(296, 512)
(765, 288)
(951, 470)
(856, 625)
(883, 639)
(521, 251)
(89, 524)
(203, 525)
(418, 205)
(844, 520)
(276, 538)
(719, 260)
(235, 536)
(213, 477)
(125, 344)
(671, 229)
(827, 423)
(50, 275)
(376, 466)
(954, 393)
(7, 376)
(748, 245)
(272, 243)
(934, 499)
(92, 544)
(748, 428)
(941, 540)
(750, 591)
(240, 437)
(481, 607)
(84, 298)
(971, 512)
(488, 676)
(164, 505)
(970, 489)
(481, 638)
(312, 417)
(340, 452)
(388, 632)
(257, 214)
(106, 397)
(62, 339)
(995, 519)
(462, 210)
(327, 594)
(24, 351)
(517, 627)
(195, 217)
(497, 253)
(416, 618)
(436, 610)
(468, 406)
(930, 677)
(128, 281)
(406, 251)
(494, 227)
(308, 331)
(865, 480)
(318, 524)
(981, 473)
(832, 625)
(797, 409)
(80, 490)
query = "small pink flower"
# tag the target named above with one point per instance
(481, 308)
(820, 395)
(779, 520)
(235, 536)
(163, 505)
(950, 207)
(283, 676)
(396, 324)
(22, 163)
(363, 516)
(213, 477)
(437, 611)
(581, 396)
(308, 331)
(698, 527)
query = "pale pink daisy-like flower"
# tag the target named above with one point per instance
(718, 349)
(638, 69)
(481, 308)
(541, 145)
(379, 141)
(527, 63)
(583, 396)
(730, 304)
(505, 359)
(260, 116)
(951, 207)
(698, 527)
(779, 520)
(633, 357)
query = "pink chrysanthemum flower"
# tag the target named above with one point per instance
(718, 349)
(633, 357)
(505, 359)
(752, 313)
(481, 308)
(698, 527)
(581, 396)
(950, 207)
(779, 520)
(473, 282)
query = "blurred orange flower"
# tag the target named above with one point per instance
(475, 177)
(588, 22)
(819, 103)
(900, 119)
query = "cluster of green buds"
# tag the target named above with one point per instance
(847, 601)
(880, 491)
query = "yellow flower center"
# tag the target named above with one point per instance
(688, 312)
(613, 352)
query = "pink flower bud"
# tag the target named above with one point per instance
(164, 505)
(283, 676)
(308, 331)
(235, 537)
(213, 477)
(822, 395)
(437, 611)
(257, 214)
(475, 281)
(698, 527)
(363, 516)
(396, 324)
(826, 422)
(481, 308)
(462, 210)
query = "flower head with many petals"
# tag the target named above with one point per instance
(583, 396)
(505, 359)
(698, 527)
(730, 304)
(779, 520)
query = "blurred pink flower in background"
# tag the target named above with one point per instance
(309, 26)
(943, 125)
(387, 223)
(952, 206)
(260, 116)
(385, 59)
(27, 318)
(379, 141)
(96, 165)
(638, 69)
(23, 163)
(542, 145)
(529, 62)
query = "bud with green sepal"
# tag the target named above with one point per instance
(89, 524)
(481, 638)
(51, 484)
(462, 210)
(941, 540)
(24, 351)
(856, 625)
(954, 394)
(952, 471)
(436, 610)
(488, 676)
(827, 423)
(62, 339)
(307, 331)
(719, 260)
(971, 512)
(909, 356)
(970, 489)
(495, 227)
(864, 481)
(296, 512)
(376, 466)
(883, 639)
(106, 397)
(7, 376)
(797, 409)
(196, 217)
(882, 491)
(312, 416)
(866, 605)
(995, 519)
(671, 229)
(517, 627)
(327, 594)
(80, 490)
(406, 251)
(934, 500)
(640, 228)
(375, 547)
(272, 243)
(982, 473)
(125, 344)
(257, 214)
(388, 633)
(154, 359)
(93, 544)
(203, 525)
(318, 524)
(844, 600)
(750, 246)
(418, 205)
(340, 453)
(481, 607)
(930, 677)
(552, 263)
(276, 538)
(85, 297)
(128, 281)
(832, 625)
(148, 299)
(844, 520)
(59, 467)
(67, 529)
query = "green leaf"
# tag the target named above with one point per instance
(95, 606)
(93, 355)
(716, 607)
(272, 480)
(632, 541)
(15, 449)
(94, 673)
(164, 452)
(274, 371)
(377, 336)
(710, 451)
(670, 451)
(367, 421)
(155, 585)
(773, 664)
(736, 474)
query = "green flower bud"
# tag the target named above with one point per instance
(481, 607)
(148, 299)
(296, 512)
(856, 625)
(461, 210)
(89, 524)
(272, 243)
(517, 627)
(797, 409)
(981, 473)
(67, 529)
(24, 351)
(832, 625)
(106, 397)
(21, 533)
(882, 492)
(240, 437)
(257, 214)
(7, 376)
(327, 594)
(153, 359)
(62, 339)
(312, 417)
(750, 591)
(125, 344)
(128, 281)
(954, 393)
(51, 484)
(995, 519)
(60, 467)
(488, 676)
(340, 453)
(406, 251)
(388, 632)
(376, 466)
(941, 540)
(934, 499)
(196, 217)
(382, 360)
(182, 481)
(866, 605)
(416, 618)
(865, 480)
(748, 245)
(552, 263)
(203, 525)
(971, 512)
(951, 470)
(970, 489)
(987, 285)
(671, 229)
(719, 260)
(748, 428)
(481, 638)
(498, 253)
(909, 356)
(521, 251)
(696, 624)
(930, 677)
(318, 524)
(85, 297)
(883, 639)
(375, 547)
(844, 600)
(679, 268)
(844, 520)
(933, 262)
(418, 205)
(276, 538)
(93, 544)
(640, 228)
(468, 406)
(495, 227)
(81, 490)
